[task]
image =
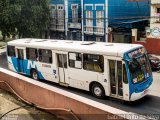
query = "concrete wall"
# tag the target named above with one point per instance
(151, 44)
(56, 100)
(155, 18)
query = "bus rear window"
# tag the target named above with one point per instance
(11, 51)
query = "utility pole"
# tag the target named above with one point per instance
(82, 20)
(106, 21)
(66, 17)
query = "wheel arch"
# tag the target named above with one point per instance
(94, 82)
(32, 69)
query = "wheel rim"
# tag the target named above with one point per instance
(35, 76)
(97, 91)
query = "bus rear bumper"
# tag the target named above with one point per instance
(136, 96)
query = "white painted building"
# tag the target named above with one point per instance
(154, 31)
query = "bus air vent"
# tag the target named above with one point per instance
(109, 44)
(88, 43)
(40, 40)
(69, 42)
(54, 41)
(28, 41)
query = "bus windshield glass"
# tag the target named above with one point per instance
(139, 69)
(139, 65)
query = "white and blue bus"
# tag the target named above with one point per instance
(117, 70)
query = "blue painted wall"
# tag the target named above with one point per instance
(72, 31)
(120, 9)
(93, 9)
(121, 13)
(57, 2)
(70, 2)
(124, 10)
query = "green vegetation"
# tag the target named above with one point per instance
(25, 18)
(2, 44)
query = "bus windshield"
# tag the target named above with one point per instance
(139, 69)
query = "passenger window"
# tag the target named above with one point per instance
(32, 54)
(75, 60)
(93, 62)
(45, 55)
(11, 51)
(125, 80)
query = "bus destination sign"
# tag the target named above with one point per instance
(136, 53)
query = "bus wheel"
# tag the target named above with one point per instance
(98, 91)
(34, 75)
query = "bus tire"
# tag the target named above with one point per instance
(98, 91)
(34, 75)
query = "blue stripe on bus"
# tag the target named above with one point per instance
(15, 63)
(25, 65)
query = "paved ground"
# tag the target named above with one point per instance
(155, 87)
(9, 102)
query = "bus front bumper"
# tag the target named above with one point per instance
(137, 96)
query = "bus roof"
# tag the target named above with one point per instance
(111, 49)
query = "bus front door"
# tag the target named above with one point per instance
(62, 68)
(116, 82)
(20, 59)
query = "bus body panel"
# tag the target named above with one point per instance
(135, 96)
(106, 78)
(140, 90)
(12, 64)
(81, 78)
(45, 71)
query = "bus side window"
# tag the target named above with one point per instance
(125, 79)
(32, 54)
(93, 62)
(45, 56)
(11, 51)
(75, 60)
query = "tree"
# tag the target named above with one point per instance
(35, 17)
(27, 18)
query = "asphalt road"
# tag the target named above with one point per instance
(149, 105)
